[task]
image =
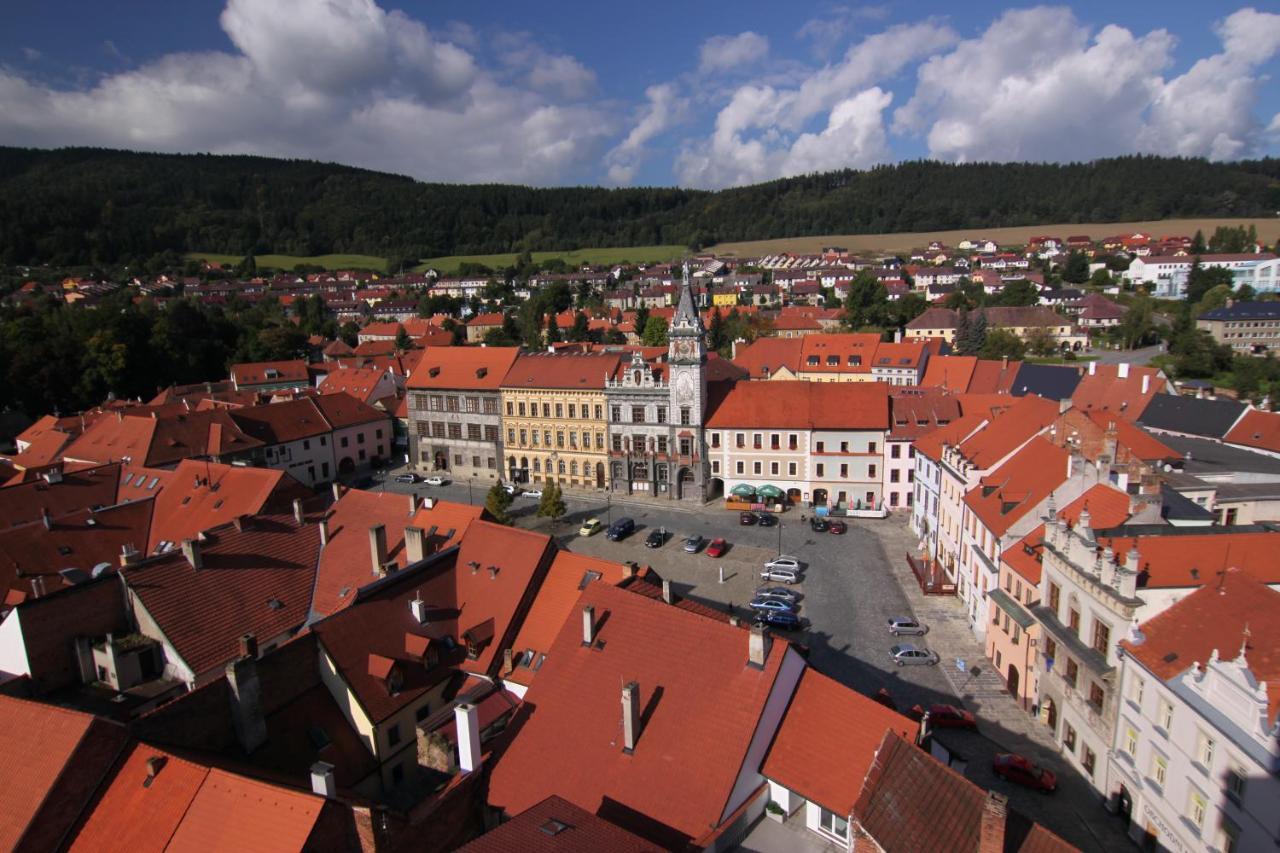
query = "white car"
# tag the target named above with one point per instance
(531, 493)
(436, 481)
(784, 562)
(510, 489)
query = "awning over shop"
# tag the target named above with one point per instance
(769, 491)
(742, 490)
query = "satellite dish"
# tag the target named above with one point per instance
(100, 569)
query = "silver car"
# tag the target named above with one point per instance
(785, 561)
(907, 654)
(780, 575)
(900, 625)
(692, 543)
(781, 592)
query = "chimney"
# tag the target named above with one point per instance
(337, 487)
(46, 518)
(37, 586)
(630, 716)
(322, 782)
(418, 608)
(1146, 382)
(1004, 362)
(628, 569)
(155, 764)
(428, 503)
(297, 511)
(415, 544)
(1122, 370)
(378, 548)
(588, 625)
(667, 595)
(246, 703)
(413, 503)
(758, 644)
(1093, 368)
(248, 646)
(191, 550)
(128, 555)
(493, 573)
(995, 813)
(467, 718)
(324, 531)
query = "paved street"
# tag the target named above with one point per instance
(852, 585)
(1132, 356)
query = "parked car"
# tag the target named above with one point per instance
(784, 561)
(656, 538)
(717, 548)
(510, 488)
(746, 519)
(951, 717)
(778, 592)
(772, 604)
(837, 527)
(899, 625)
(1016, 768)
(818, 524)
(406, 478)
(437, 481)
(907, 654)
(780, 575)
(768, 519)
(692, 543)
(621, 529)
(590, 527)
(784, 619)
(531, 493)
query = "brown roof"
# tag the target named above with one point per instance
(255, 373)
(342, 410)
(545, 370)
(1257, 429)
(66, 491)
(278, 423)
(472, 368)
(803, 405)
(557, 826)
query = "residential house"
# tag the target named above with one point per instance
(1022, 321)
(368, 385)
(914, 413)
(271, 375)
(1123, 390)
(900, 363)
(1249, 328)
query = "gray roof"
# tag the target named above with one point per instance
(1205, 458)
(1051, 381)
(1191, 415)
(1245, 311)
(1178, 507)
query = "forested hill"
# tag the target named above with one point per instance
(80, 205)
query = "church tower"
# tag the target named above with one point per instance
(687, 356)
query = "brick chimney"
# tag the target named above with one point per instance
(246, 703)
(415, 544)
(324, 531)
(297, 511)
(588, 625)
(630, 716)
(467, 718)
(191, 550)
(995, 813)
(758, 644)
(378, 548)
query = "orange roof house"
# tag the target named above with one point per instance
(478, 368)
(367, 385)
(1257, 429)
(804, 405)
(1123, 390)
(1006, 494)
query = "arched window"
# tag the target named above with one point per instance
(537, 465)
(561, 466)
(573, 469)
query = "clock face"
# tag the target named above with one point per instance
(684, 349)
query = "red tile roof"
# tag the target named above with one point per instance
(863, 347)
(255, 373)
(1213, 620)
(804, 405)
(138, 482)
(911, 802)
(365, 384)
(950, 371)
(1140, 443)
(916, 412)
(575, 831)
(827, 741)
(77, 489)
(235, 813)
(278, 423)
(1008, 431)
(772, 354)
(342, 410)
(1196, 559)
(1257, 429)
(202, 495)
(930, 445)
(254, 581)
(568, 576)
(1103, 389)
(1005, 495)
(993, 377)
(43, 446)
(112, 439)
(346, 563)
(702, 704)
(587, 371)
(1108, 507)
(473, 368)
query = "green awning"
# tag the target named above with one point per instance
(1006, 603)
(743, 490)
(769, 491)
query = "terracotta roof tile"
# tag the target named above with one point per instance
(931, 444)
(1212, 620)
(1006, 494)
(1107, 506)
(235, 813)
(769, 354)
(1104, 389)
(75, 490)
(950, 371)
(342, 410)
(827, 741)
(202, 495)
(702, 704)
(586, 371)
(365, 384)
(916, 412)
(256, 373)
(278, 423)
(804, 405)
(557, 826)
(1008, 431)
(1192, 560)
(1142, 444)
(478, 368)
(112, 439)
(1257, 429)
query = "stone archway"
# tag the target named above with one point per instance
(1012, 680)
(347, 465)
(686, 484)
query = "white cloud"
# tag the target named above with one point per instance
(836, 22)
(1038, 85)
(731, 53)
(337, 80)
(664, 108)
(553, 74)
(854, 137)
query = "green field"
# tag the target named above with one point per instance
(288, 262)
(635, 254)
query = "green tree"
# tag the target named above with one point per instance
(641, 319)
(581, 330)
(1101, 278)
(1245, 293)
(1138, 321)
(865, 303)
(553, 329)
(1039, 342)
(552, 504)
(498, 504)
(1076, 269)
(613, 336)
(655, 332)
(971, 332)
(1216, 297)
(1000, 343)
(716, 339)
(403, 341)
(1198, 246)
(349, 333)
(1020, 292)
(1202, 279)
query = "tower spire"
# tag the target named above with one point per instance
(686, 315)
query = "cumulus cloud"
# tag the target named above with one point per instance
(663, 109)
(1038, 85)
(343, 80)
(837, 21)
(730, 53)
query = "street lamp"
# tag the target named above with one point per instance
(608, 508)
(779, 537)
(471, 498)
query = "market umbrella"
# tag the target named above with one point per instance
(743, 490)
(770, 491)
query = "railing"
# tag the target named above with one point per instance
(930, 576)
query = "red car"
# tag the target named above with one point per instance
(1015, 768)
(838, 527)
(717, 548)
(951, 717)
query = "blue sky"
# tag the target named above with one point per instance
(704, 94)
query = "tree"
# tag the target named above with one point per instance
(349, 334)
(716, 339)
(1020, 292)
(1202, 279)
(552, 504)
(641, 319)
(655, 332)
(864, 305)
(1245, 293)
(1000, 343)
(956, 301)
(613, 336)
(1198, 246)
(1076, 269)
(971, 332)
(1101, 278)
(1039, 342)
(1138, 321)
(1216, 297)
(553, 329)
(403, 341)
(498, 502)
(581, 329)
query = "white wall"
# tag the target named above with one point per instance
(13, 650)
